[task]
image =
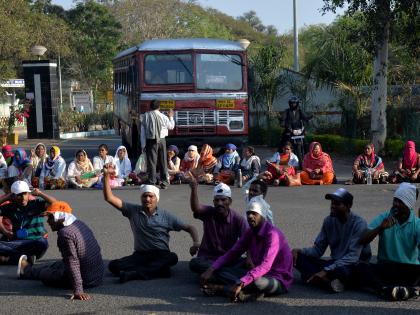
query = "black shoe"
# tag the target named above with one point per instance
(127, 276)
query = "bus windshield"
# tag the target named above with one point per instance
(168, 69)
(219, 72)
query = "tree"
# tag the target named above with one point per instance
(266, 66)
(95, 42)
(252, 19)
(381, 16)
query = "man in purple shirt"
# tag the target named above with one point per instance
(222, 228)
(267, 247)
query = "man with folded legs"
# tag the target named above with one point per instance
(268, 249)
(340, 231)
(150, 225)
(222, 227)
(28, 235)
(81, 266)
(396, 276)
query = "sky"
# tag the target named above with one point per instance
(271, 12)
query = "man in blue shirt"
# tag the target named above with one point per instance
(396, 276)
(340, 231)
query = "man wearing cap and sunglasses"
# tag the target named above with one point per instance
(150, 226)
(340, 231)
(81, 266)
(28, 236)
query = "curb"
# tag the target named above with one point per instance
(71, 135)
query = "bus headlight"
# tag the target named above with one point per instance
(236, 125)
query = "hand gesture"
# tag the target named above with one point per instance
(194, 249)
(171, 113)
(81, 296)
(205, 277)
(36, 192)
(388, 222)
(109, 169)
(192, 180)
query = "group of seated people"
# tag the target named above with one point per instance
(242, 255)
(283, 168)
(49, 171)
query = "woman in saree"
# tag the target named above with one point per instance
(53, 173)
(250, 164)
(174, 162)
(282, 164)
(21, 166)
(227, 166)
(38, 159)
(206, 165)
(408, 169)
(80, 173)
(123, 164)
(369, 162)
(317, 167)
(188, 164)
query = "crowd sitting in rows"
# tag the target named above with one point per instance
(49, 171)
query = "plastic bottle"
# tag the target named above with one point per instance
(369, 177)
(239, 180)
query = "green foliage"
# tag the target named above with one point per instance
(394, 148)
(72, 121)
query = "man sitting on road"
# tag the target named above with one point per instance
(257, 187)
(267, 247)
(222, 227)
(396, 276)
(150, 226)
(28, 235)
(81, 266)
(340, 231)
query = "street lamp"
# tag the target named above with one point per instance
(244, 43)
(38, 50)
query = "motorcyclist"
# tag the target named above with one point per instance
(294, 125)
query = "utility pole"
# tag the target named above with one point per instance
(296, 40)
(59, 82)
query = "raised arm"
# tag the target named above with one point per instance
(196, 208)
(38, 193)
(108, 195)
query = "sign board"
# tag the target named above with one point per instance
(13, 83)
(82, 101)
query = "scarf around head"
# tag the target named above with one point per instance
(125, 161)
(19, 159)
(320, 161)
(38, 161)
(50, 162)
(410, 155)
(207, 160)
(372, 160)
(228, 159)
(85, 166)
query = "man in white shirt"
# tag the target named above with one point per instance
(154, 129)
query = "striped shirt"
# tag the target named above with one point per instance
(81, 256)
(27, 217)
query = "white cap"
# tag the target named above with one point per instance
(150, 188)
(259, 205)
(19, 187)
(192, 148)
(406, 192)
(222, 190)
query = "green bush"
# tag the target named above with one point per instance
(72, 121)
(394, 148)
(262, 136)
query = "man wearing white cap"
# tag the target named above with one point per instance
(340, 231)
(267, 247)
(396, 276)
(150, 225)
(28, 236)
(222, 226)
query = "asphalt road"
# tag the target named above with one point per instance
(298, 211)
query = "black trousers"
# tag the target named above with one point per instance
(147, 264)
(156, 159)
(377, 276)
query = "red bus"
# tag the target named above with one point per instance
(203, 80)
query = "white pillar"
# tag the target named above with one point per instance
(296, 39)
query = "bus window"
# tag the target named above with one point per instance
(168, 69)
(219, 72)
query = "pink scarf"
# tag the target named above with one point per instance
(410, 155)
(321, 161)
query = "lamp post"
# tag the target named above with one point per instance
(296, 39)
(38, 51)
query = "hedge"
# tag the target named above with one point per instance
(72, 121)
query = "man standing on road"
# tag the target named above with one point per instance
(150, 225)
(81, 266)
(28, 235)
(222, 227)
(396, 276)
(267, 247)
(340, 231)
(154, 129)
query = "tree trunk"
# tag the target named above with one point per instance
(379, 92)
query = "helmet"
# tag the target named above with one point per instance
(294, 99)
